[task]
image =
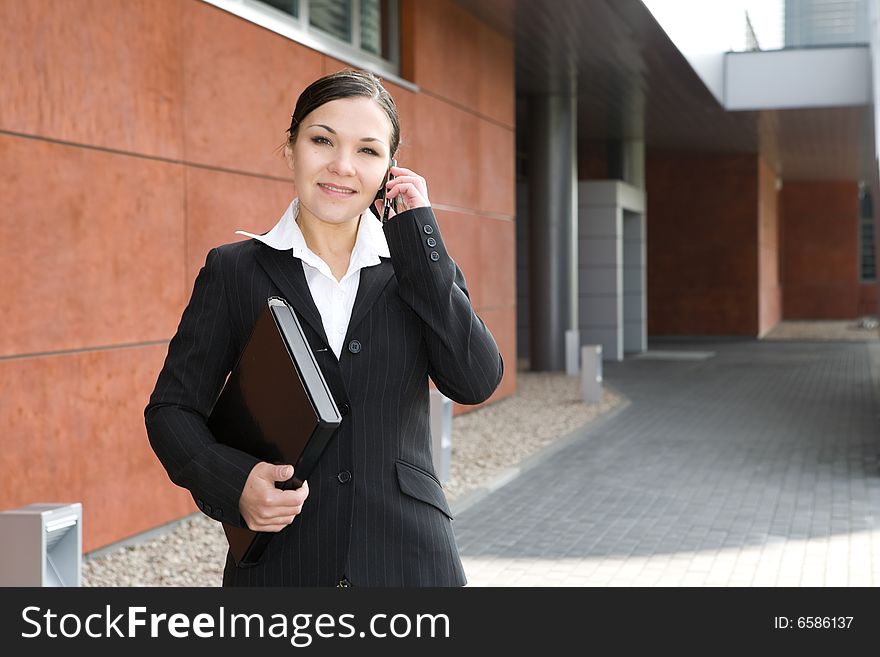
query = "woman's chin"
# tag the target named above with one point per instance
(336, 213)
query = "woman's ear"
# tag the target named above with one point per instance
(288, 156)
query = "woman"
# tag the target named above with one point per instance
(384, 307)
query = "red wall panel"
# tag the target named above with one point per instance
(820, 251)
(93, 72)
(73, 431)
(702, 246)
(95, 236)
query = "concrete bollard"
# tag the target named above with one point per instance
(591, 372)
(572, 349)
(441, 434)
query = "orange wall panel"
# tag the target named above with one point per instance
(93, 72)
(820, 250)
(496, 77)
(461, 235)
(495, 175)
(404, 99)
(332, 65)
(497, 274)
(703, 310)
(75, 433)
(96, 238)
(702, 247)
(220, 203)
(446, 139)
(447, 50)
(868, 299)
(241, 82)
(453, 55)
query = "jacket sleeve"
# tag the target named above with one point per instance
(200, 355)
(463, 358)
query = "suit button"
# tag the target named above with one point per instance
(431, 242)
(428, 229)
(435, 256)
(354, 346)
(344, 409)
(344, 477)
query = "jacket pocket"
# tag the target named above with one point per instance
(421, 485)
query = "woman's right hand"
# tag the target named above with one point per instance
(266, 508)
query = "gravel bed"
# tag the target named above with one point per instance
(485, 442)
(863, 329)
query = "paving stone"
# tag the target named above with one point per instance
(768, 451)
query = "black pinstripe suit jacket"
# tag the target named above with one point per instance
(389, 523)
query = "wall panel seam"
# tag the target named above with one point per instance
(84, 350)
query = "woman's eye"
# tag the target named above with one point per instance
(369, 151)
(320, 140)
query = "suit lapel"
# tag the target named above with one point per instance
(373, 281)
(287, 273)
(291, 280)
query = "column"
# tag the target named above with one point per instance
(552, 174)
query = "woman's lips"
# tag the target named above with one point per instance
(336, 190)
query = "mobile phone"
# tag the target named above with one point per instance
(387, 203)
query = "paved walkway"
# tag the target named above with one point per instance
(735, 464)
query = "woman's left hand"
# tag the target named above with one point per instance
(409, 188)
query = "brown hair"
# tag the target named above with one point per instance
(344, 84)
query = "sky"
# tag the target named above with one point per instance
(711, 26)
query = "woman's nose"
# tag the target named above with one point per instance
(342, 165)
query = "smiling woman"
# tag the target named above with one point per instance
(384, 307)
(339, 165)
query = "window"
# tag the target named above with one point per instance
(867, 261)
(332, 16)
(375, 27)
(363, 33)
(287, 6)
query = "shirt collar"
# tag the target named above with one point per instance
(369, 245)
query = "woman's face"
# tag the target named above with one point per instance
(340, 158)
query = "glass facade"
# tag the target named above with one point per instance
(811, 23)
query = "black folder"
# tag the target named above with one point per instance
(277, 406)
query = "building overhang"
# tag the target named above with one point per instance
(797, 78)
(633, 83)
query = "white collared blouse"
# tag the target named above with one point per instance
(334, 299)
